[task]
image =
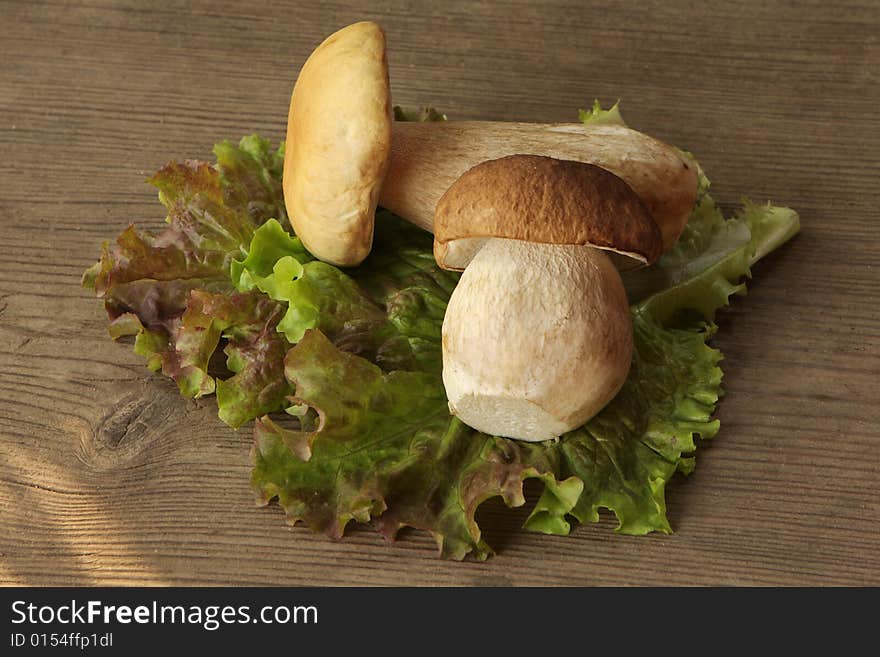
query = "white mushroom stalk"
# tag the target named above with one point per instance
(537, 339)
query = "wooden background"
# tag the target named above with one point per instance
(107, 476)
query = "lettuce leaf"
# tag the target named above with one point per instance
(227, 300)
(704, 268)
(172, 289)
(598, 116)
(317, 294)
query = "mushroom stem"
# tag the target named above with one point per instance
(537, 339)
(426, 158)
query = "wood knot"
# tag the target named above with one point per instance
(130, 427)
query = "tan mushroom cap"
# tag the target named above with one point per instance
(547, 201)
(338, 144)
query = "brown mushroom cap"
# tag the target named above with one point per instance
(338, 144)
(543, 200)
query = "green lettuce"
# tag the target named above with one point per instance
(598, 116)
(341, 369)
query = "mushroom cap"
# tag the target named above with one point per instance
(338, 144)
(537, 339)
(543, 200)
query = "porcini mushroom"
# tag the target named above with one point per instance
(537, 336)
(344, 155)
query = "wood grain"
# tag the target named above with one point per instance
(107, 476)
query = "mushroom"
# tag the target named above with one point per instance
(537, 336)
(345, 155)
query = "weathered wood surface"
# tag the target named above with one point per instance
(107, 476)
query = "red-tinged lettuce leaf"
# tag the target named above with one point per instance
(172, 288)
(213, 212)
(253, 382)
(363, 407)
(254, 349)
(250, 173)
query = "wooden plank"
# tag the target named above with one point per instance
(108, 476)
